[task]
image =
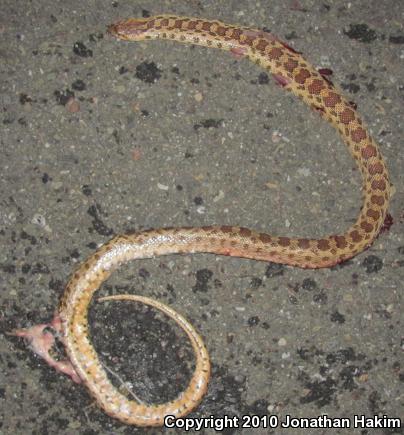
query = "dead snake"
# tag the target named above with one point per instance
(294, 74)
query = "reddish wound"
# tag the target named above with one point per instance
(238, 52)
(353, 104)
(41, 341)
(388, 222)
(325, 74)
(289, 47)
(318, 109)
(281, 80)
(260, 34)
(325, 71)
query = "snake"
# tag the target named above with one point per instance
(293, 73)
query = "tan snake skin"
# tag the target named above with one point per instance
(293, 73)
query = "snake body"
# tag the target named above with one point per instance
(293, 72)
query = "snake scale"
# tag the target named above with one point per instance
(293, 73)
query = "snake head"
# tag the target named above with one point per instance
(129, 30)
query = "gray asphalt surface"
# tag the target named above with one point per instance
(158, 134)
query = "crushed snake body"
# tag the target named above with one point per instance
(294, 74)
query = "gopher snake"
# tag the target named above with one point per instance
(294, 74)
